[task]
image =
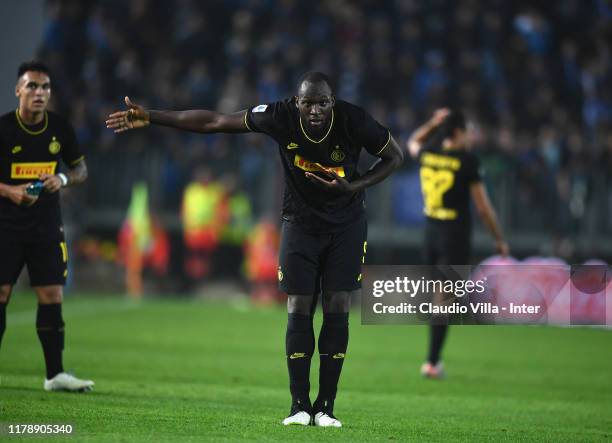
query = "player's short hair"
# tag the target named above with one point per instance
(32, 65)
(454, 120)
(315, 77)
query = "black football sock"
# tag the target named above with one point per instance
(299, 345)
(333, 342)
(2, 320)
(50, 329)
(436, 341)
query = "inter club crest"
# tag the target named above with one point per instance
(54, 146)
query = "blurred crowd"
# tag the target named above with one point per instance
(535, 77)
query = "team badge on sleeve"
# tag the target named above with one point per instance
(260, 108)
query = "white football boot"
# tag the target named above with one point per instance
(68, 382)
(326, 421)
(300, 418)
(434, 372)
(298, 415)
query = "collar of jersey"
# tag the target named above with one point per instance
(29, 131)
(326, 134)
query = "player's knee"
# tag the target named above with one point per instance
(49, 294)
(5, 293)
(299, 304)
(337, 301)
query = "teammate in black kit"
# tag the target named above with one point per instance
(450, 176)
(324, 229)
(33, 143)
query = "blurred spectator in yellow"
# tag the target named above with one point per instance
(204, 219)
(238, 211)
(143, 242)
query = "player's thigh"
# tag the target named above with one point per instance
(344, 258)
(431, 247)
(5, 293)
(12, 260)
(299, 261)
(47, 262)
(456, 247)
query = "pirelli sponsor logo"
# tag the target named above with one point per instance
(308, 166)
(32, 170)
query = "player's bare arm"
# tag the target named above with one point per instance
(17, 194)
(76, 175)
(487, 214)
(200, 120)
(391, 158)
(422, 133)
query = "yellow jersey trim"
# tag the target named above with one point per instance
(385, 145)
(440, 213)
(78, 160)
(64, 249)
(23, 126)
(326, 134)
(245, 121)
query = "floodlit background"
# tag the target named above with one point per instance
(534, 76)
(174, 219)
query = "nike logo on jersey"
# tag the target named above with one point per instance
(297, 355)
(17, 149)
(292, 146)
(337, 356)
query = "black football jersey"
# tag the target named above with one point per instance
(446, 176)
(351, 130)
(25, 153)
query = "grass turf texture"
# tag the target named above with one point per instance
(186, 370)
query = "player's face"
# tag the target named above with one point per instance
(460, 138)
(34, 91)
(463, 138)
(315, 103)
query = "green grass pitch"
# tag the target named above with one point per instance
(189, 370)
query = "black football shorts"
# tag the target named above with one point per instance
(447, 244)
(309, 262)
(46, 260)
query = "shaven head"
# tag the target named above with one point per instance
(315, 101)
(314, 79)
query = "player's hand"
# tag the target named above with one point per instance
(335, 183)
(52, 182)
(439, 116)
(135, 117)
(19, 196)
(502, 248)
